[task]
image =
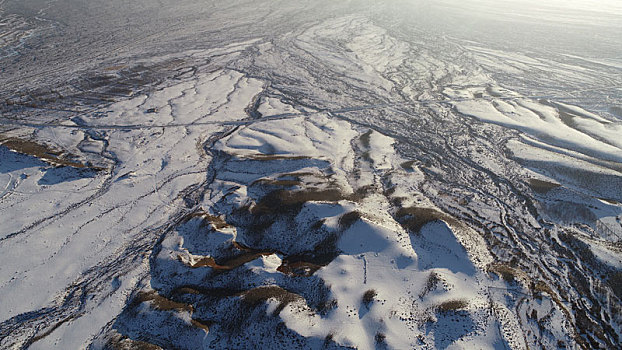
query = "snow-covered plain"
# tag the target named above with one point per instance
(288, 174)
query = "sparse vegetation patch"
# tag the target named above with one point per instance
(369, 296)
(348, 219)
(508, 273)
(452, 305)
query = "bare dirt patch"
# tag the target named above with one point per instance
(247, 255)
(276, 157)
(299, 268)
(217, 222)
(414, 218)
(119, 342)
(159, 302)
(43, 152)
(541, 186)
(508, 273)
(262, 294)
(348, 219)
(281, 201)
(452, 305)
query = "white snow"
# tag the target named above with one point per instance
(153, 167)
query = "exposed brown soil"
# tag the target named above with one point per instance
(414, 218)
(293, 265)
(119, 90)
(247, 255)
(299, 174)
(46, 154)
(204, 325)
(298, 268)
(252, 297)
(541, 186)
(541, 287)
(111, 68)
(231, 263)
(240, 246)
(218, 222)
(119, 342)
(261, 294)
(508, 273)
(212, 292)
(278, 183)
(452, 305)
(276, 157)
(408, 165)
(348, 219)
(161, 303)
(280, 201)
(362, 192)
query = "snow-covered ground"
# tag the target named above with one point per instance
(278, 174)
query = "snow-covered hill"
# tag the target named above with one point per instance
(288, 174)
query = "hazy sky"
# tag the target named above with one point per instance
(588, 12)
